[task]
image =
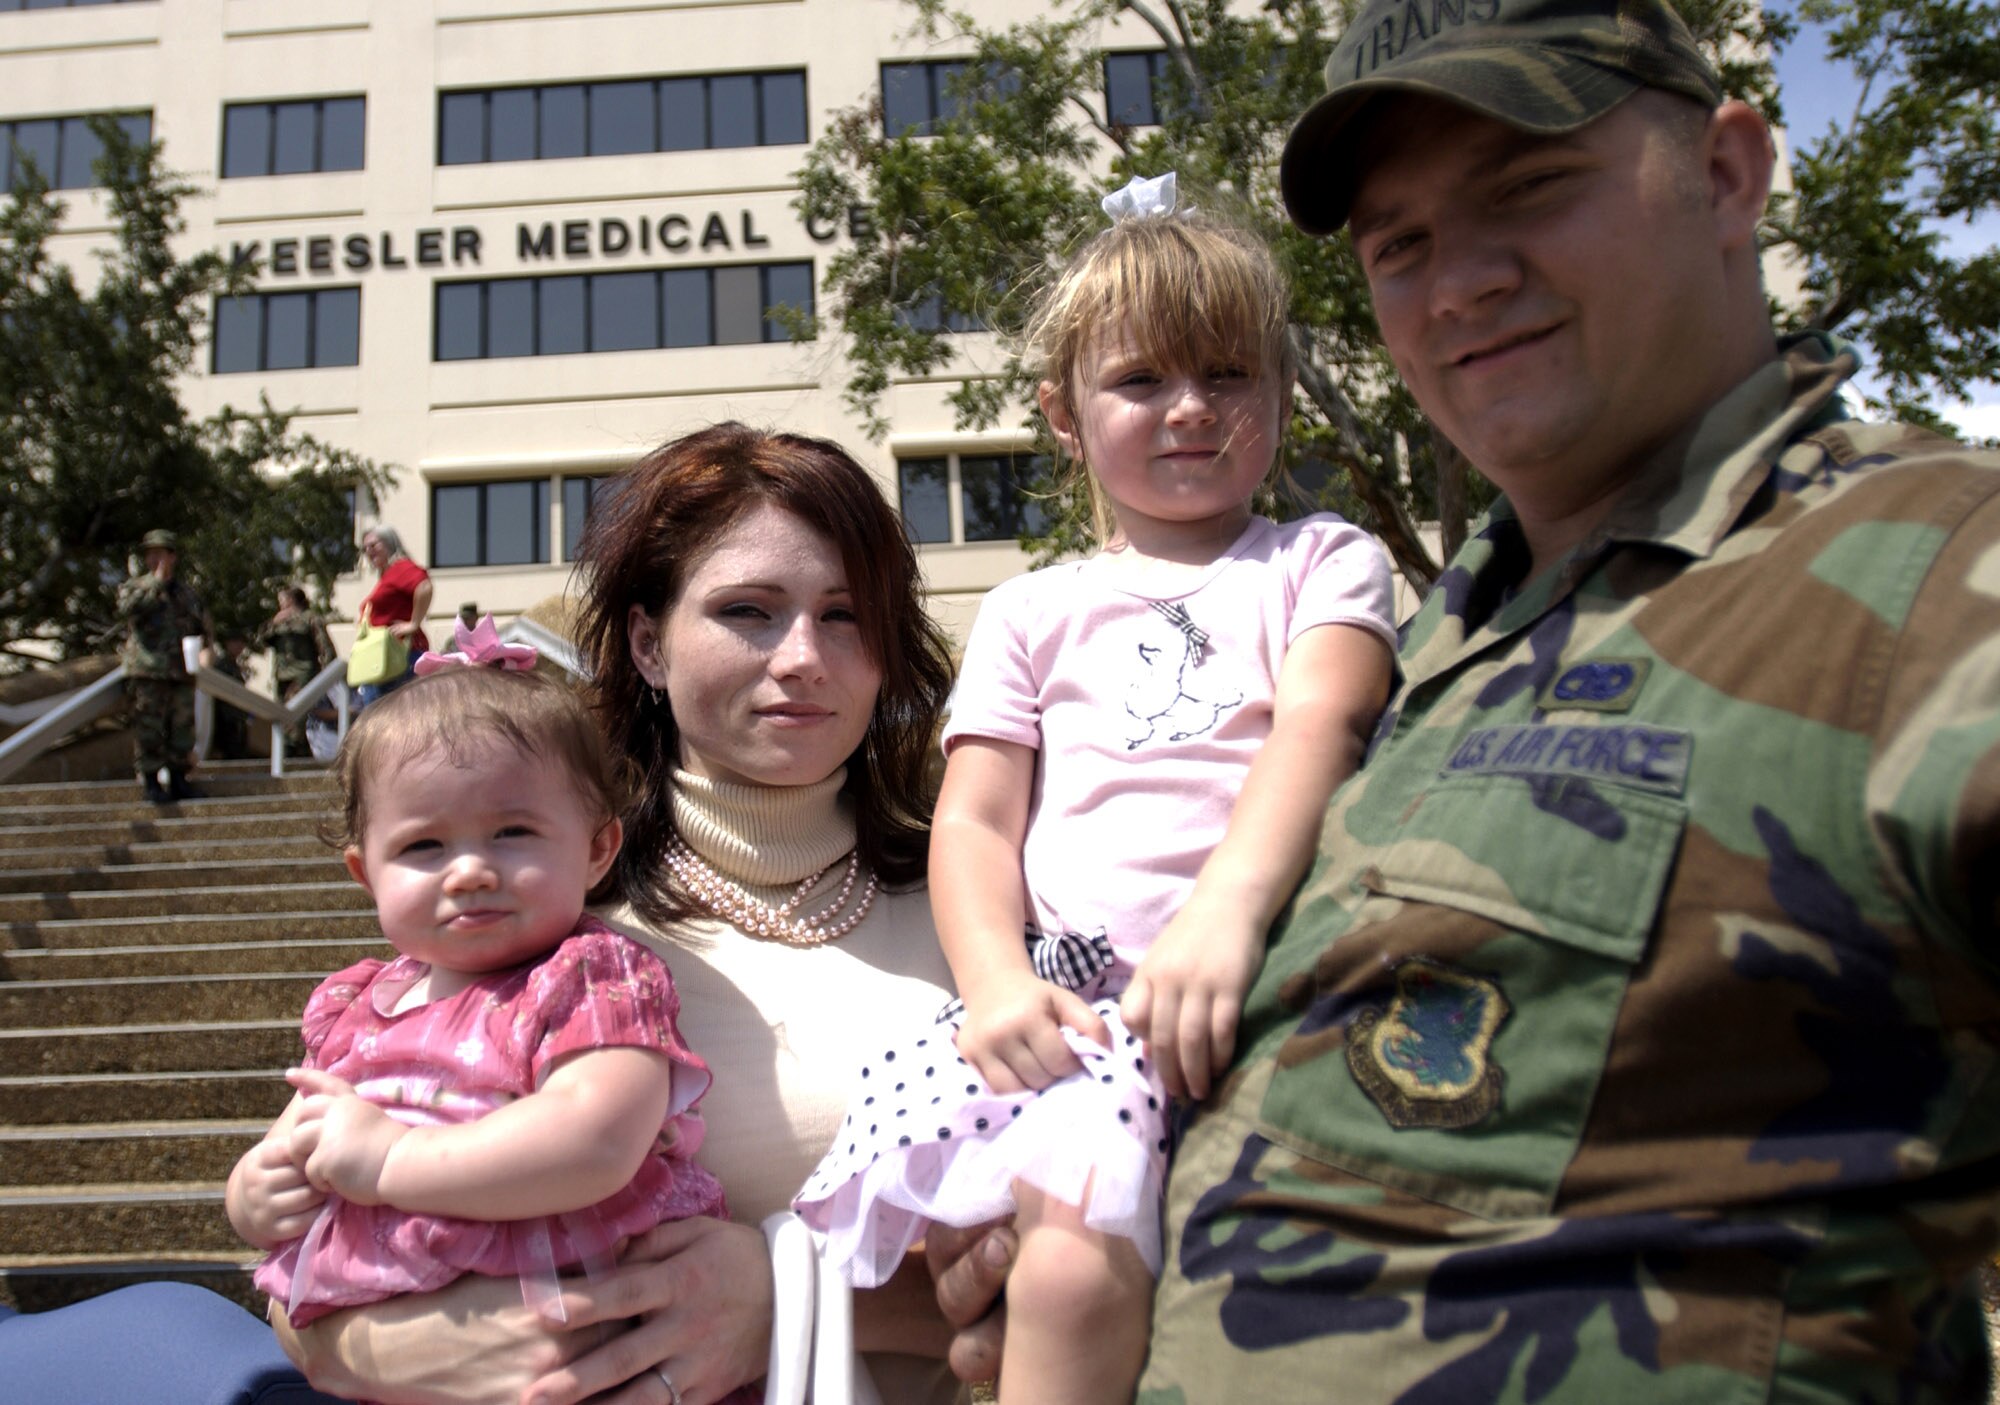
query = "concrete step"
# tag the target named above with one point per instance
(343, 895)
(108, 1153)
(324, 866)
(281, 815)
(187, 930)
(220, 783)
(175, 1217)
(154, 999)
(133, 805)
(320, 956)
(242, 1095)
(39, 1282)
(154, 1048)
(270, 842)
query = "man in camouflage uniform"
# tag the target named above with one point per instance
(158, 610)
(1635, 1036)
(300, 647)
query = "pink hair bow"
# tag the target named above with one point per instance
(479, 647)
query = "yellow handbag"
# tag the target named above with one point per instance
(377, 657)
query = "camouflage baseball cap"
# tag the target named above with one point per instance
(1538, 65)
(160, 537)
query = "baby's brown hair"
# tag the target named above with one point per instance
(456, 713)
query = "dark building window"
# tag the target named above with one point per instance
(919, 94)
(290, 138)
(62, 148)
(695, 113)
(579, 495)
(490, 524)
(644, 309)
(1133, 87)
(924, 493)
(288, 331)
(995, 495)
(928, 315)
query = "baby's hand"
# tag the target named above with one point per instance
(1013, 1031)
(1187, 996)
(278, 1203)
(341, 1139)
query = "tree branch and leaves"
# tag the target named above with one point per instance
(96, 447)
(971, 212)
(1874, 194)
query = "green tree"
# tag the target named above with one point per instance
(1872, 195)
(96, 447)
(968, 219)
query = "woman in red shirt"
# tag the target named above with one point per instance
(401, 599)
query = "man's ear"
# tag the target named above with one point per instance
(648, 649)
(1739, 158)
(604, 846)
(357, 870)
(1056, 411)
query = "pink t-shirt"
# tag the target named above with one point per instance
(1148, 712)
(454, 1060)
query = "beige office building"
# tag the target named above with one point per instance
(508, 245)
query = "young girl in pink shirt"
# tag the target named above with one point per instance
(1140, 751)
(509, 1095)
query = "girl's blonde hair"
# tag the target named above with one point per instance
(457, 714)
(1191, 290)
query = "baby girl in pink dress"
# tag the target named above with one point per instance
(509, 1095)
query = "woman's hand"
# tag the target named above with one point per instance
(404, 630)
(969, 1269)
(1013, 1031)
(701, 1291)
(472, 1343)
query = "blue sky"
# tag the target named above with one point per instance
(1817, 92)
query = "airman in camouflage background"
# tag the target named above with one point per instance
(300, 647)
(159, 611)
(1635, 1036)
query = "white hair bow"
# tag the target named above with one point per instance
(1143, 198)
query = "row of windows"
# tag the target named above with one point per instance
(288, 138)
(559, 120)
(288, 331)
(558, 315)
(505, 522)
(563, 314)
(919, 94)
(62, 148)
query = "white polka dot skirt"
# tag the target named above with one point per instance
(926, 1141)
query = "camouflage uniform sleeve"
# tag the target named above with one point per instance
(139, 594)
(1934, 773)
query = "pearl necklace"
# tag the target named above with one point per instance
(756, 918)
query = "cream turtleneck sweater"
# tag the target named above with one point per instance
(784, 1029)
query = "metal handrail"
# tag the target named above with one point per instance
(56, 717)
(77, 708)
(282, 717)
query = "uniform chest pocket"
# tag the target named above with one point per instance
(1456, 1032)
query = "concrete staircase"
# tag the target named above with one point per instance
(153, 964)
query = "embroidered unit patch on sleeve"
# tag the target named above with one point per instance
(1426, 1060)
(1602, 685)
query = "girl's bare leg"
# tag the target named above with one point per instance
(1079, 1306)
